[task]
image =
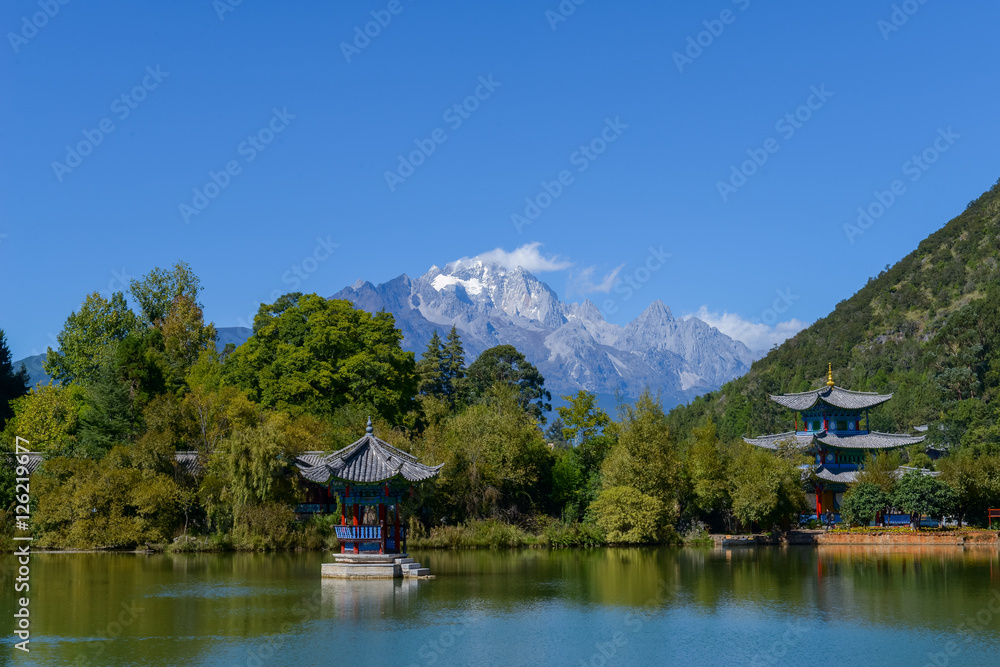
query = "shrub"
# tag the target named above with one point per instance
(627, 516)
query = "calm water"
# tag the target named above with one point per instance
(825, 606)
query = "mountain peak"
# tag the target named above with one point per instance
(656, 313)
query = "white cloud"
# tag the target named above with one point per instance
(527, 257)
(583, 282)
(756, 335)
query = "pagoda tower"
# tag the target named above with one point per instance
(831, 426)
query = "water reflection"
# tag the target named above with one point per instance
(110, 609)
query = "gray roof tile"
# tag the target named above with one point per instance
(835, 396)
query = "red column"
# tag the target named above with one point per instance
(358, 521)
(819, 504)
(396, 532)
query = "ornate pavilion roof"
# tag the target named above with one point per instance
(872, 440)
(771, 441)
(367, 461)
(833, 395)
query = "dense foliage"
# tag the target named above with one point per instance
(134, 388)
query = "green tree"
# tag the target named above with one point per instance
(503, 364)
(628, 516)
(316, 355)
(88, 337)
(157, 291)
(919, 494)
(13, 384)
(766, 489)
(708, 464)
(431, 379)
(48, 418)
(644, 456)
(863, 502)
(880, 469)
(497, 462)
(453, 367)
(583, 418)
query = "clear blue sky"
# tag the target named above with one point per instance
(66, 233)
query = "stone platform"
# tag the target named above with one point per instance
(373, 566)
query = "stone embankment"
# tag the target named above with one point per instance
(869, 538)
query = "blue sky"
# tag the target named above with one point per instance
(309, 128)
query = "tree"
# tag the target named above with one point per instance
(766, 489)
(583, 418)
(453, 367)
(431, 379)
(918, 494)
(880, 469)
(12, 384)
(503, 364)
(185, 336)
(708, 470)
(644, 457)
(88, 336)
(630, 517)
(863, 502)
(160, 288)
(497, 461)
(310, 354)
(48, 418)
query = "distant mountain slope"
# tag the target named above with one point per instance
(571, 344)
(926, 329)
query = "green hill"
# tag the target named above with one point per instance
(926, 329)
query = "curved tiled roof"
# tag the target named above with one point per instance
(873, 440)
(829, 475)
(835, 396)
(367, 461)
(771, 441)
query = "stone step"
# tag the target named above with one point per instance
(417, 572)
(403, 561)
(410, 566)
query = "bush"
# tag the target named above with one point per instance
(627, 516)
(266, 527)
(862, 502)
(485, 534)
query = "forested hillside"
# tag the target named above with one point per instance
(925, 329)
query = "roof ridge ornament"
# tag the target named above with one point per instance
(829, 375)
(368, 428)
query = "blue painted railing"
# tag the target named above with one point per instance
(352, 533)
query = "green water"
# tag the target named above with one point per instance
(795, 605)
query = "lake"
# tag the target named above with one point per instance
(751, 605)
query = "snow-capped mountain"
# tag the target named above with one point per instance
(572, 344)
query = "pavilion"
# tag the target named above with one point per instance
(834, 431)
(371, 477)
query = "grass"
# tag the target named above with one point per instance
(494, 534)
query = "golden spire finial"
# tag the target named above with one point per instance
(829, 375)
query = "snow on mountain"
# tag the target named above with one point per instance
(572, 344)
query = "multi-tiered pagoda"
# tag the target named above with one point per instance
(831, 425)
